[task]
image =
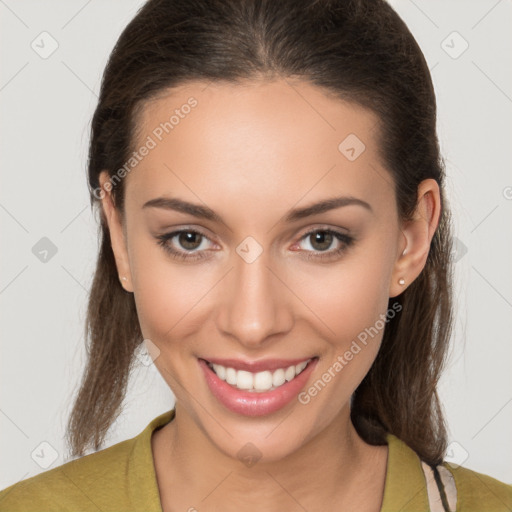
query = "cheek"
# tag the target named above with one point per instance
(167, 295)
(350, 309)
(349, 304)
(345, 299)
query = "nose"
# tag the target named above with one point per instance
(254, 304)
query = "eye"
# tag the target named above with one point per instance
(190, 240)
(320, 240)
(191, 245)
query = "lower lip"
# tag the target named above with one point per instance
(255, 403)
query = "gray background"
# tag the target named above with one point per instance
(46, 105)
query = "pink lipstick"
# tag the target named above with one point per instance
(256, 388)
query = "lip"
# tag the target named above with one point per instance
(255, 403)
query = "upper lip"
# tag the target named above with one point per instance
(256, 366)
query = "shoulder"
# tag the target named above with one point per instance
(477, 491)
(412, 484)
(77, 483)
(121, 477)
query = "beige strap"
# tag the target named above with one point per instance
(434, 496)
(449, 486)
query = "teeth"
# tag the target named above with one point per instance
(278, 378)
(300, 367)
(244, 380)
(258, 382)
(263, 381)
(290, 373)
(220, 371)
(230, 376)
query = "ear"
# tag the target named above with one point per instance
(116, 230)
(417, 235)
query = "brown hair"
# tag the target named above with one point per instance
(360, 51)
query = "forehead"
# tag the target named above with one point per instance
(282, 140)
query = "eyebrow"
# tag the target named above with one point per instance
(197, 210)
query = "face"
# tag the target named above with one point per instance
(230, 265)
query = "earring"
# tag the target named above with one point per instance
(123, 278)
(401, 281)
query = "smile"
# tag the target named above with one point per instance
(256, 388)
(260, 381)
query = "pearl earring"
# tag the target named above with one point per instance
(401, 281)
(123, 278)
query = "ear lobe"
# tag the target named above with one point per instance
(114, 222)
(418, 233)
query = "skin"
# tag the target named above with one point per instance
(251, 152)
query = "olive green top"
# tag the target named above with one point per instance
(122, 478)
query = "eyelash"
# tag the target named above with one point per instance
(346, 240)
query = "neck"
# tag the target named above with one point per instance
(335, 467)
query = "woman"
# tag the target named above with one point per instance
(275, 232)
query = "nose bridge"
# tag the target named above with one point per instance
(254, 305)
